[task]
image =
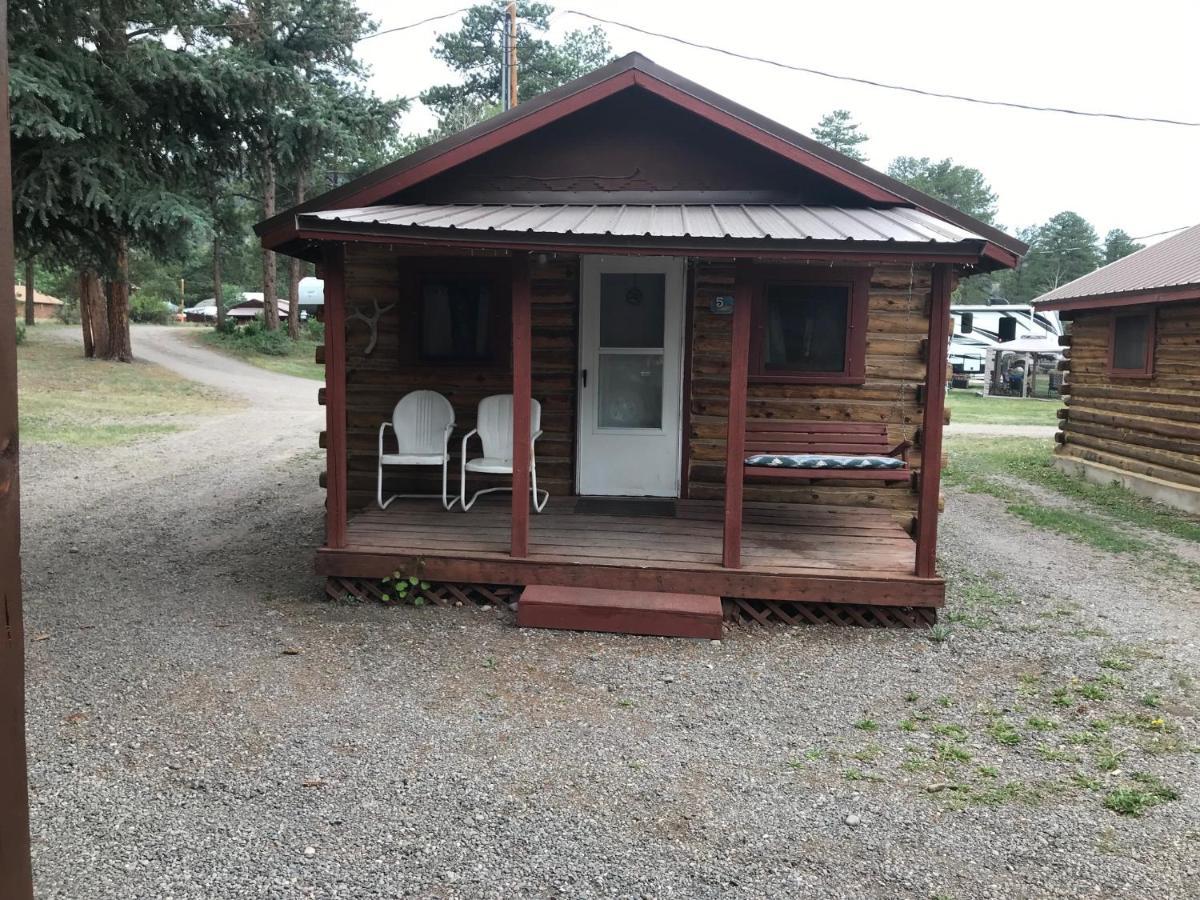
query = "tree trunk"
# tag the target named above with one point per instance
(270, 307)
(119, 346)
(85, 317)
(92, 296)
(218, 293)
(30, 319)
(294, 273)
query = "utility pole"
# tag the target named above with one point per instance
(16, 872)
(505, 102)
(511, 52)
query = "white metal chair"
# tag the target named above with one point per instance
(422, 422)
(494, 425)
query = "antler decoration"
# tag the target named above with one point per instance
(372, 323)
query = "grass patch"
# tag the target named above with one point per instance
(867, 725)
(1109, 760)
(985, 465)
(967, 407)
(1133, 801)
(952, 731)
(859, 775)
(281, 354)
(1004, 733)
(67, 399)
(947, 752)
(1093, 690)
(1082, 527)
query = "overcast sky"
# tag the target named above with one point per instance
(1137, 58)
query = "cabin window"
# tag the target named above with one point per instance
(456, 319)
(1131, 344)
(810, 327)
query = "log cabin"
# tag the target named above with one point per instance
(1132, 363)
(670, 285)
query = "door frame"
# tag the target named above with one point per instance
(675, 268)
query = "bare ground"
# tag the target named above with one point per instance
(181, 748)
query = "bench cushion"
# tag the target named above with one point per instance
(822, 461)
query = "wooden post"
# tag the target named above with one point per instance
(735, 432)
(16, 877)
(335, 396)
(931, 424)
(522, 340)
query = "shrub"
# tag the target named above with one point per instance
(20, 331)
(148, 309)
(271, 343)
(315, 331)
(254, 337)
(229, 326)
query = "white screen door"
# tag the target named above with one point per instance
(630, 375)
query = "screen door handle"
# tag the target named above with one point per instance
(583, 375)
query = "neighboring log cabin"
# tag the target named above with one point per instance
(1133, 372)
(670, 276)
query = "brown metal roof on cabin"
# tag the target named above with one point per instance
(648, 176)
(1169, 264)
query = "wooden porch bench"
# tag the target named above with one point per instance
(773, 441)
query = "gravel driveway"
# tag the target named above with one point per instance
(202, 725)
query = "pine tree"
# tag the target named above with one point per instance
(475, 51)
(839, 132)
(1118, 243)
(298, 55)
(962, 187)
(111, 115)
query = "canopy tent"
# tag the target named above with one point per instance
(1028, 350)
(1040, 344)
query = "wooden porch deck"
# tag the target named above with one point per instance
(810, 553)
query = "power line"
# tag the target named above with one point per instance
(413, 24)
(1142, 237)
(880, 84)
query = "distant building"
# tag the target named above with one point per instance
(44, 306)
(312, 304)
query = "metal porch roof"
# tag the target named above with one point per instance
(736, 221)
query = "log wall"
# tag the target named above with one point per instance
(374, 383)
(1146, 426)
(896, 351)
(897, 332)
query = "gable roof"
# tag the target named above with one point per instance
(1168, 270)
(632, 70)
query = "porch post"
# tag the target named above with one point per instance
(522, 398)
(931, 424)
(735, 434)
(335, 396)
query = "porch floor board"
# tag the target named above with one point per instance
(838, 554)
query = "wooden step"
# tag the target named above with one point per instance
(620, 612)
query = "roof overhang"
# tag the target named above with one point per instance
(1180, 294)
(785, 232)
(306, 243)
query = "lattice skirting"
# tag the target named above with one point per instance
(789, 612)
(736, 609)
(439, 593)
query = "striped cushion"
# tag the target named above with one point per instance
(822, 461)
